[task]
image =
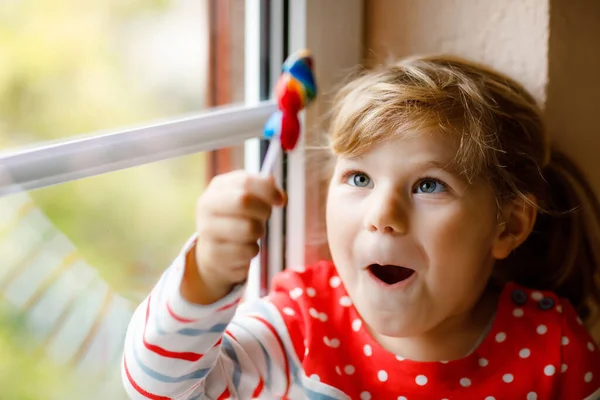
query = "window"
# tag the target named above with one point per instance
(172, 92)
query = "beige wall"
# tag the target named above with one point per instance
(550, 46)
(511, 35)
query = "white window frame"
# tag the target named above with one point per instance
(333, 31)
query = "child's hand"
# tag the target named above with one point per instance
(230, 218)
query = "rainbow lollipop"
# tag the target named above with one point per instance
(295, 89)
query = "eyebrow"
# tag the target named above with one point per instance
(449, 167)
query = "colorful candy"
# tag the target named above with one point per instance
(295, 89)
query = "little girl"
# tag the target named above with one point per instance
(465, 259)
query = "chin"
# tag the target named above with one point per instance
(392, 325)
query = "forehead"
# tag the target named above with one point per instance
(427, 148)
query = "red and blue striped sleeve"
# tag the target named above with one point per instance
(178, 350)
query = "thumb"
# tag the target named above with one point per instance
(284, 198)
(281, 195)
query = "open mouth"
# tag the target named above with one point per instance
(390, 274)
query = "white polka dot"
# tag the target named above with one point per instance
(288, 311)
(508, 378)
(483, 362)
(313, 313)
(382, 376)
(334, 281)
(400, 358)
(349, 369)
(559, 308)
(500, 337)
(563, 368)
(591, 346)
(542, 329)
(524, 353)
(338, 370)
(579, 321)
(335, 342)
(305, 351)
(365, 396)
(402, 398)
(564, 340)
(311, 292)
(549, 370)
(518, 312)
(490, 398)
(368, 350)
(444, 362)
(588, 377)
(465, 382)
(537, 296)
(295, 293)
(345, 301)
(323, 317)
(356, 324)
(315, 377)
(421, 380)
(532, 396)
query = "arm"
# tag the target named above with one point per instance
(176, 349)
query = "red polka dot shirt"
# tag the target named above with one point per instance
(537, 348)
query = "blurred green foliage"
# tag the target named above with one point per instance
(61, 74)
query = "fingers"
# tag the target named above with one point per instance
(230, 219)
(242, 195)
(233, 229)
(233, 256)
(236, 204)
(254, 185)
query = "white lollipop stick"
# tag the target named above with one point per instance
(271, 157)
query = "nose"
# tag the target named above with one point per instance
(387, 215)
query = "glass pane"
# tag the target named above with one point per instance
(76, 260)
(71, 67)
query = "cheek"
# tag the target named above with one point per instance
(457, 236)
(342, 222)
(459, 265)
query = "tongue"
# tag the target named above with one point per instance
(390, 274)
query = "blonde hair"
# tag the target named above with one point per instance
(501, 138)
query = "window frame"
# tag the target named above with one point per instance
(314, 24)
(337, 46)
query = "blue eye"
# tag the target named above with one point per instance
(358, 179)
(430, 185)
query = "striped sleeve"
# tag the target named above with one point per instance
(174, 349)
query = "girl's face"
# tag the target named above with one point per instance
(412, 241)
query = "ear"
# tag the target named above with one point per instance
(516, 223)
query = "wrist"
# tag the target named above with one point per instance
(196, 288)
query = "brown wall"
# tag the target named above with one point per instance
(573, 95)
(550, 46)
